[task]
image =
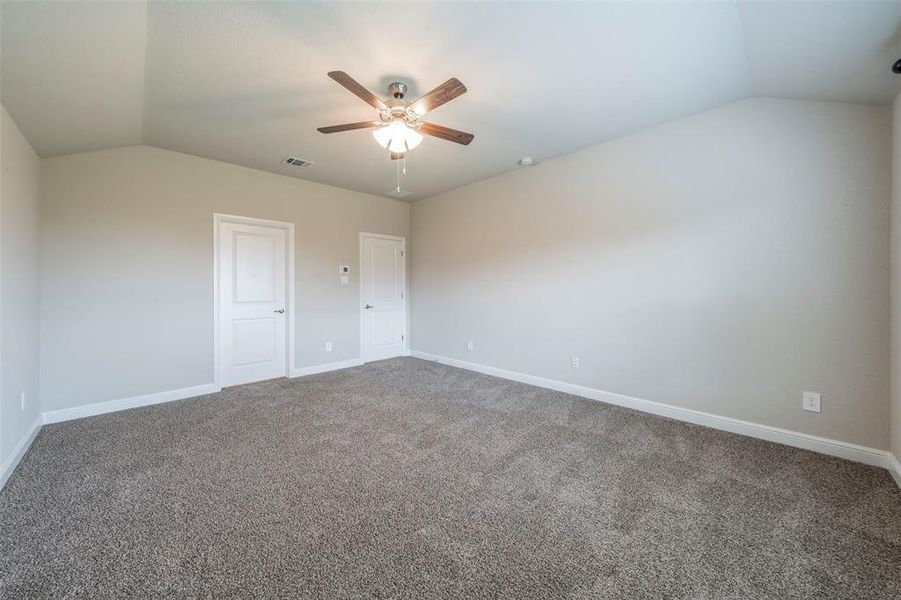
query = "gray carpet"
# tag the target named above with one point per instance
(409, 479)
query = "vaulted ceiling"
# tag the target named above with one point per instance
(246, 83)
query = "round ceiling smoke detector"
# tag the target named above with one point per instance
(527, 161)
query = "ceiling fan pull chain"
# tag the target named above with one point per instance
(405, 164)
(398, 176)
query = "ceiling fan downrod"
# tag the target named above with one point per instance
(397, 90)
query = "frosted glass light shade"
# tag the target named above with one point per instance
(397, 137)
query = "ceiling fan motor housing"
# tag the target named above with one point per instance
(398, 108)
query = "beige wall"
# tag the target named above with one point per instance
(126, 267)
(725, 262)
(896, 279)
(19, 201)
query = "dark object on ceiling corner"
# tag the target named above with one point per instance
(896, 68)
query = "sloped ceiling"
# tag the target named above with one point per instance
(246, 83)
(72, 74)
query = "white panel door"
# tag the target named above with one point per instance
(383, 314)
(252, 303)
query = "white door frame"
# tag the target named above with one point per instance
(219, 218)
(406, 292)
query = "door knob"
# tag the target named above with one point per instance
(369, 306)
(280, 311)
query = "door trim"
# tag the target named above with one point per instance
(218, 219)
(406, 327)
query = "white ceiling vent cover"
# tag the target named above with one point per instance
(297, 162)
(398, 193)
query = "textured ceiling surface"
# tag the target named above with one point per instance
(246, 83)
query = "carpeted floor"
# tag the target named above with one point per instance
(410, 479)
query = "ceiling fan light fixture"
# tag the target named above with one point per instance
(399, 127)
(397, 137)
(412, 138)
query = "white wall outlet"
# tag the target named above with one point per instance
(811, 401)
(576, 362)
(328, 346)
(22, 400)
(469, 345)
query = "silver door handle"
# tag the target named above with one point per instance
(369, 306)
(280, 311)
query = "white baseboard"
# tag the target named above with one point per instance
(9, 465)
(100, 408)
(863, 454)
(894, 467)
(334, 366)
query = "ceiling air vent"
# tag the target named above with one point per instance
(398, 193)
(297, 162)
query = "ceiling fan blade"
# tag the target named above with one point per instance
(397, 155)
(348, 127)
(358, 90)
(442, 94)
(446, 133)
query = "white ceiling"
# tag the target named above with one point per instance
(72, 76)
(246, 83)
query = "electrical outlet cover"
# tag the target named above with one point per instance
(810, 401)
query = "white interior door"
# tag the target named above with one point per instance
(252, 302)
(383, 313)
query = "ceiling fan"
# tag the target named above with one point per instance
(399, 126)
